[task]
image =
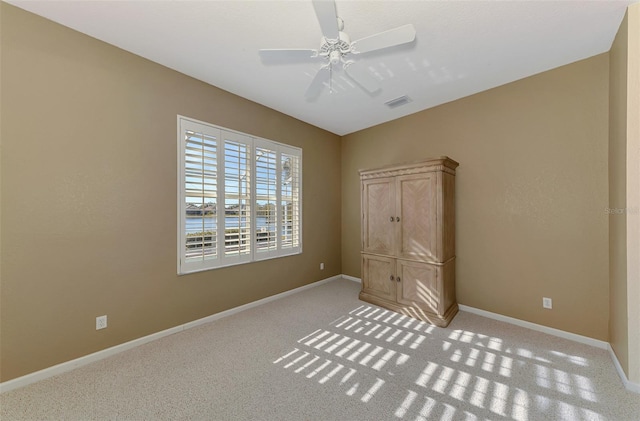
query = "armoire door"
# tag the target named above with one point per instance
(378, 216)
(416, 203)
(418, 285)
(378, 276)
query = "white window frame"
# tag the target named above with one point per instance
(221, 259)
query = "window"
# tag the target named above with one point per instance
(239, 198)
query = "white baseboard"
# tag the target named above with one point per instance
(631, 386)
(533, 326)
(351, 278)
(105, 353)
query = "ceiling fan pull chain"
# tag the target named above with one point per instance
(330, 79)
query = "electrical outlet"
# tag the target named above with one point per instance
(547, 303)
(101, 322)
(321, 266)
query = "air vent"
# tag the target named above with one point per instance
(394, 103)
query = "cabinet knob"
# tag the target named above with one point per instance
(398, 279)
(391, 219)
(397, 219)
(391, 277)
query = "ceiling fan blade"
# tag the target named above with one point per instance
(358, 72)
(390, 38)
(274, 55)
(327, 17)
(317, 84)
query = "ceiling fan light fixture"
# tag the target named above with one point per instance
(334, 57)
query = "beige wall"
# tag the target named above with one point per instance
(633, 192)
(89, 197)
(531, 192)
(618, 324)
(624, 194)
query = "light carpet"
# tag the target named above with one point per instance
(322, 354)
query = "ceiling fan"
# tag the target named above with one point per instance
(337, 49)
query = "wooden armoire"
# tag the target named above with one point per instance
(408, 239)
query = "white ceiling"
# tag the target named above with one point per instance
(461, 47)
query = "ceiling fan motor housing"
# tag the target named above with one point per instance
(335, 49)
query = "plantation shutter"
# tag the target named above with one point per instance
(266, 200)
(199, 207)
(290, 200)
(240, 198)
(237, 203)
